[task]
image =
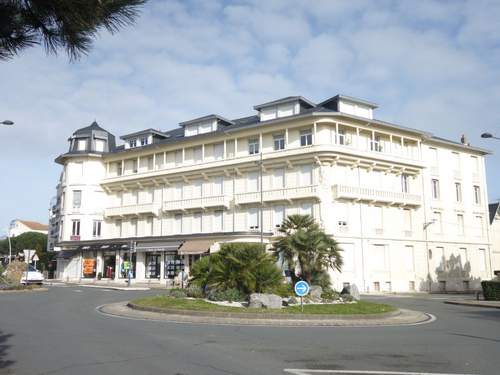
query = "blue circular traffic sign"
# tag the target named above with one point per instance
(301, 288)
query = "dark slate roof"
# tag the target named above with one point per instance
(146, 131)
(88, 129)
(349, 98)
(493, 208)
(206, 118)
(287, 99)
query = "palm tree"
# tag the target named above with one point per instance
(306, 249)
(57, 24)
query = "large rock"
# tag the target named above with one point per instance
(351, 290)
(266, 301)
(315, 293)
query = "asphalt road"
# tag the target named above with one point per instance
(60, 332)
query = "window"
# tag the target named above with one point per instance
(75, 230)
(133, 227)
(253, 218)
(482, 260)
(342, 137)
(278, 216)
(460, 225)
(306, 137)
(77, 198)
(197, 222)
(252, 181)
(306, 209)
(479, 226)
(178, 157)
(99, 145)
(217, 223)
(477, 194)
(218, 186)
(96, 228)
(149, 162)
(278, 178)
(437, 223)
(305, 178)
(458, 192)
(119, 227)
(148, 229)
(378, 219)
(197, 154)
(456, 161)
(375, 144)
(177, 223)
(82, 145)
(475, 164)
(378, 260)
(119, 170)
(409, 258)
(144, 141)
(435, 188)
(407, 221)
(219, 151)
(405, 183)
(253, 146)
(197, 187)
(132, 143)
(134, 166)
(279, 142)
(434, 159)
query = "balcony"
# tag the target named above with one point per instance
(375, 196)
(133, 210)
(197, 203)
(276, 195)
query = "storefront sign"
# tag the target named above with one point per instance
(89, 266)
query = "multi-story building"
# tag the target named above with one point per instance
(408, 209)
(495, 236)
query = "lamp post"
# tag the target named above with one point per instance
(489, 135)
(7, 122)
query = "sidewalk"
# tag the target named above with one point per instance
(475, 303)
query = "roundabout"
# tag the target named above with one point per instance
(399, 317)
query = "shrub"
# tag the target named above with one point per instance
(194, 292)
(330, 295)
(200, 272)
(283, 290)
(321, 278)
(177, 293)
(15, 271)
(491, 290)
(242, 266)
(231, 295)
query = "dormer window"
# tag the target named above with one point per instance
(144, 141)
(132, 143)
(204, 125)
(82, 145)
(289, 106)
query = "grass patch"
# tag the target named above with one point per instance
(361, 308)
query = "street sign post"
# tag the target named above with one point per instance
(301, 289)
(28, 254)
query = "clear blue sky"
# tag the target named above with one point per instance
(432, 65)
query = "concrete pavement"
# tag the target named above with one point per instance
(60, 332)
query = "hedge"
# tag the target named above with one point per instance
(491, 290)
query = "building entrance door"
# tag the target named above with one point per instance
(109, 264)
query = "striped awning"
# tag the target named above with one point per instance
(195, 247)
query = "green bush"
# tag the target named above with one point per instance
(330, 295)
(242, 266)
(283, 290)
(231, 295)
(491, 290)
(321, 278)
(177, 293)
(195, 292)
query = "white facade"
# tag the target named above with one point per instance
(495, 236)
(18, 227)
(409, 210)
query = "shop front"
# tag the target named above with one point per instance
(155, 256)
(192, 250)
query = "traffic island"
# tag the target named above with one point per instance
(180, 310)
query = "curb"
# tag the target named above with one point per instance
(397, 318)
(24, 290)
(125, 288)
(473, 304)
(270, 316)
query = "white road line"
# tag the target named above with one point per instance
(77, 290)
(364, 372)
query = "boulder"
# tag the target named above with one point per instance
(266, 301)
(352, 291)
(315, 293)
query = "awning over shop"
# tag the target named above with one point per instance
(195, 247)
(143, 247)
(65, 254)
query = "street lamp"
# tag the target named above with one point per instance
(7, 122)
(489, 135)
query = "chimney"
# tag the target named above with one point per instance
(463, 140)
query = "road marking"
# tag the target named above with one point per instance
(77, 290)
(364, 372)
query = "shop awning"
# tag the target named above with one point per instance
(143, 247)
(195, 247)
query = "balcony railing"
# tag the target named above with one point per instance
(195, 203)
(375, 196)
(285, 194)
(133, 210)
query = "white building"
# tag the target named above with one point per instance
(18, 227)
(495, 236)
(409, 209)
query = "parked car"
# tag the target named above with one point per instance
(34, 276)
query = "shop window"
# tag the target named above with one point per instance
(89, 264)
(173, 265)
(109, 265)
(128, 266)
(153, 265)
